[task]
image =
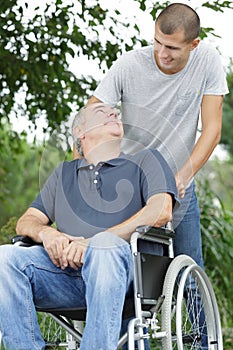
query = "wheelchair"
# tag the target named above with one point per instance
(173, 301)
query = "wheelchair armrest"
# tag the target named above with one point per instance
(23, 241)
(159, 232)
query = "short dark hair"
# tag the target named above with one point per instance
(179, 16)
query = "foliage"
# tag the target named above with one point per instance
(24, 168)
(155, 6)
(18, 171)
(37, 42)
(158, 5)
(7, 231)
(217, 227)
(227, 133)
(220, 174)
(55, 150)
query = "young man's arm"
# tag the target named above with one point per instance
(93, 99)
(211, 116)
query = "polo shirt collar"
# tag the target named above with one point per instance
(82, 163)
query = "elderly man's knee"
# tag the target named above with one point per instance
(6, 252)
(10, 255)
(109, 240)
(110, 256)
(8, 260)
(107, 251)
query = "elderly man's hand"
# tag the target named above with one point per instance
(54, 243)
(73, 254)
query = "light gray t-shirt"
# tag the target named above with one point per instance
(159, 110)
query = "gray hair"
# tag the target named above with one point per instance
(78, 120)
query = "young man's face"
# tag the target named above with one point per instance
(171, 51)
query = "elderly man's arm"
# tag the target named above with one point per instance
(65, 250)
(156, 212)
(35, 224)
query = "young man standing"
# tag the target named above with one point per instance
(163, 90)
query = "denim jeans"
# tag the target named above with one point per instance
(28, 278)
(186, 222)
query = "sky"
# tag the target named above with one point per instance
(221, 22)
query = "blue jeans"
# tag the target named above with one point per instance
(29, 278)
(186, 221)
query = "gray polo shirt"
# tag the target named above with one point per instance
(84, 199)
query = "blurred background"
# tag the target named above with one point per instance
(52, 55)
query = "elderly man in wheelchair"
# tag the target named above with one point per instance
(103, 207)
(97, 203)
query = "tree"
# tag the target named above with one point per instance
(24, 169)
(37, 42)
(19, 173)
(35, 47)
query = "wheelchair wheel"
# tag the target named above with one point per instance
(54, 335)
(1, 345)
(190, 314)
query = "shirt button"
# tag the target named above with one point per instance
(96, 173)
(91, 167)
(95, 181)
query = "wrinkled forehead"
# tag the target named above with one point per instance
(93, 109)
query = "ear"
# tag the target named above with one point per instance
(78, 132)
(194, 44)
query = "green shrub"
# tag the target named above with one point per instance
(217, 228)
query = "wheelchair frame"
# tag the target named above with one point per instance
(175, 321)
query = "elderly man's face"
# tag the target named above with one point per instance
(100, 118)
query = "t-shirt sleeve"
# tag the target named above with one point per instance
(45, 201)
(216, 83)
(157, 177)
(110, 88)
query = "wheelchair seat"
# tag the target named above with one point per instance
(79, 314)
(151, 270)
